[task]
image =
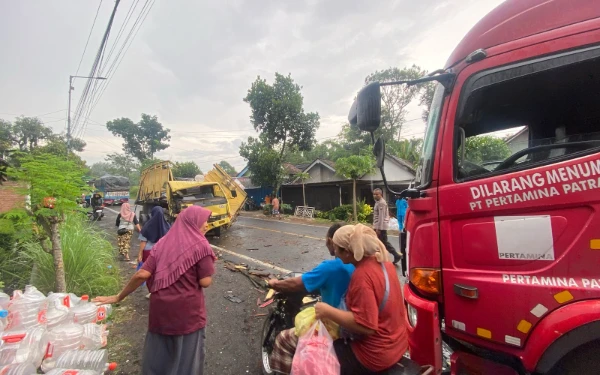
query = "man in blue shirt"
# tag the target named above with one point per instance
(330, 278)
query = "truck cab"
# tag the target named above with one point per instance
(504, 253)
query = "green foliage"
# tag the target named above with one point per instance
(483, 149)
(328, 150)
(141, 140)
(186, 169)
(355, 166)
(7, 235)
(407, 149)
(48, 175)
(57, 145)
(263, 162)
(228, 167)
(6, 141)
(283, 208)
(344, 213)
(88, 259)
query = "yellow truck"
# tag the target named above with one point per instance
(216, 191)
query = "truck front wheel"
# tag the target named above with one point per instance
(582, 361)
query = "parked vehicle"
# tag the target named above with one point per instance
(113, 189)
(216, 191)
(503, 260)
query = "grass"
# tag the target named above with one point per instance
(89, 260)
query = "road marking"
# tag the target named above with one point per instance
(250, 259)
(283, 222)
(111, 210)
(278, 231)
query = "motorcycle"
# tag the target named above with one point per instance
(96, 214)
(283, 309)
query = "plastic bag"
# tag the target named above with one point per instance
(315, 354)
(393, 225)
(307, 318)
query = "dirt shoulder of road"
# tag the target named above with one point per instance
(233, 331)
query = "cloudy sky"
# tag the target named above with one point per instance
(192, 62)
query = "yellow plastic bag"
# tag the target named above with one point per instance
(307, 318)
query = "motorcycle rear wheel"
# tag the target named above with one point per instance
(264, 352)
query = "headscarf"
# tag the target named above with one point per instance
(126, 213)
(157, 226)
(181, 248)
(361, 241)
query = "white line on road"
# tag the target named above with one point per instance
(283, 222)
(111, 210)
(250, 259)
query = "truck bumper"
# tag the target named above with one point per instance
(218, 223)
(469, 364)
(424, 333)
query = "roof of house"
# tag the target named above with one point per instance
(516, 135)
(291, 169)
(402, 162)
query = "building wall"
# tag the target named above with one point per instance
(320, 173)
(519, 143)
(11, 196)
(393, 172)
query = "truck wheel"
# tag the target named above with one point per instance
(216, 232)
(581, 361)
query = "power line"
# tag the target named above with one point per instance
(88, 38)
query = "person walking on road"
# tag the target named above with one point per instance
(381, 220)
(178, 269)
(275, 203)
(126, 221)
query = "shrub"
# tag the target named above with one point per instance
(364, 213)
(283, 208)
(267, 209)
(11, 273)
(88, 259)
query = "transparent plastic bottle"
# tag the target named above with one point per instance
(96, 360)
(3, 322)
(27, 309)
(23, 346)
(94, 336)
(18, 369)
(63, 371)
(56, 314)
(4, 300)
(61, 339)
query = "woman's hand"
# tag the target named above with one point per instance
(107, 300)
(140, 257)
(322, 310)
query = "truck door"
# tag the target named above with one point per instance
(519, 195)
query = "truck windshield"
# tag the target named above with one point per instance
(530, 114)
(424, 169)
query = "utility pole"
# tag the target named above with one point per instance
(71, 88)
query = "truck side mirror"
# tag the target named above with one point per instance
(379, 152)
(368, 107)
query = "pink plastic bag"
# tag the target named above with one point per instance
(315, 354)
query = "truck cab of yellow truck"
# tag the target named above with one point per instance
(216, 191)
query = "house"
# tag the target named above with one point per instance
(518, 141)
(9, 191)
(325, 189)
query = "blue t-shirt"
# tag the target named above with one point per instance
(401, 206)
(331, 278)
(149, 245)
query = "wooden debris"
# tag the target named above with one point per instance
(270, 294)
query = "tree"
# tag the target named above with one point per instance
(28, 132)
(395, 98)
(426, 98)
(486, 148)
(407, 149)
(101, 168)
(278, 115)
(53, 185)
(122, 165)
(228, 168)
(57, 146)
(141, 140)
(303, 176)
(6, 141)
(264, 162)
(354, 167)
(186, 169)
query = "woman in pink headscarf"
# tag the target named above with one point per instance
(180, 265)
(126, 221)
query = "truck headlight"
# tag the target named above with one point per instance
(412, 315)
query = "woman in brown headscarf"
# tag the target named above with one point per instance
(372, 315)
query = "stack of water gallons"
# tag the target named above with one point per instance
(60, 333)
